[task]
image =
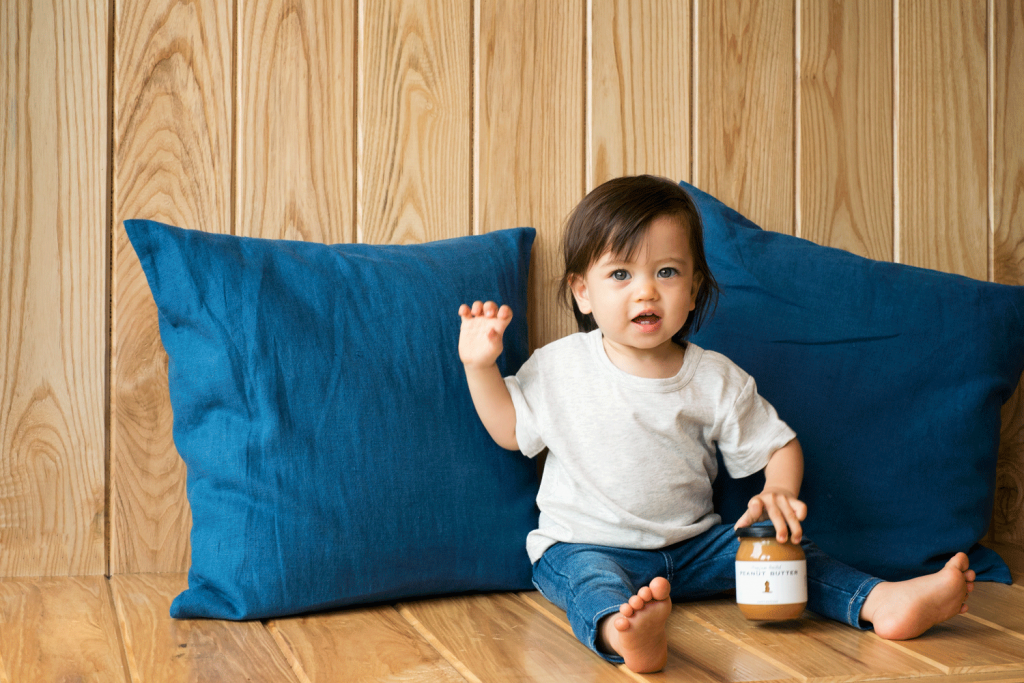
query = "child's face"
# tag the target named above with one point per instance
(640, 303)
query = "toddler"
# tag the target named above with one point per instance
(631, 414)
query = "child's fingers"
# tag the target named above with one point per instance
(785, 519)
(486, 309)
(755, 508)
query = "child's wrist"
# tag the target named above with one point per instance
(480, 367)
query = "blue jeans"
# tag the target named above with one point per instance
(590, 582)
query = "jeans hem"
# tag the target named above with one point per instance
(592, 636)
(857, 603)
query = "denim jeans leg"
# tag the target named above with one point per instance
(590, 582)
(705, 565)
(836, 590)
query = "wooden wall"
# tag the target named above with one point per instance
(890, 128)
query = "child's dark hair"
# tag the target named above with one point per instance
(616, 216)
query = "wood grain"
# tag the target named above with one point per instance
(694, 653)
(943, 144)
(493, 635)
(1008, 142)
(744, 124)
(59, 629)
(172, 162)
(1008, 244)
(1008, 513)
(845, 129)
(964, 645)
(640, 89)
(415, 120)
(296, 121)
(998, 604)
(53, 263)
(811, 647)
(159, 649)
(361, 644)
(531, 112)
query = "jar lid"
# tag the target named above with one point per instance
(759, 531)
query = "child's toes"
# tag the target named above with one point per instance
(660, 588)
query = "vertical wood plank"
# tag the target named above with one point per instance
(59, 629)
(172, 162)
(744, 140)
(531, 142)
(1008, 245)
(943, 141)
(415, 118)
(1008, 142)
(53, 264)
(640, 76)
(845, 164)
(296, 82)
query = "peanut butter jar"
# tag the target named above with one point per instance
(771, 577)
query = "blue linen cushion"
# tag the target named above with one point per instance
(334, 456)
(893, 378)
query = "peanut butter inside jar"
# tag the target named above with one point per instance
(771, 577)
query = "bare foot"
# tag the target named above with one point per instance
(637, 633)
(905, 609)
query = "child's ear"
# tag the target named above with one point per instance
(698, 281)
(578, 286)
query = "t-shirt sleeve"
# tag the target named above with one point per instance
(526, 393)
(751, 432)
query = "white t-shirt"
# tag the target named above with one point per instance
(631, 460)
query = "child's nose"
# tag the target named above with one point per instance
(646, 289)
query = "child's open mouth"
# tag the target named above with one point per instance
(647, 319)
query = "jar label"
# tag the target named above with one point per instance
(771, 583)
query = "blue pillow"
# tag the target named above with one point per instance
(334, 456)
(892, 377)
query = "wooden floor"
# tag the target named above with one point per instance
(118, 629)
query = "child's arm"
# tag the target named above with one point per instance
(480, 344)
(782, 477)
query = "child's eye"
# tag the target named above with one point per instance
(667, 272)
(620, 275)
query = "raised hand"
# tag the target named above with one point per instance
(483, 328)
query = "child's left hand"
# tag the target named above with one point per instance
(783, 508)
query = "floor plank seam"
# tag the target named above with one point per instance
(540, 608)
(532, 602)
(427, 635)
(287, 652)
(917, 655)
(998, 627)
(740, 643)
(123, 640)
